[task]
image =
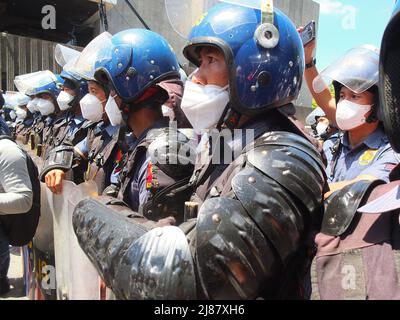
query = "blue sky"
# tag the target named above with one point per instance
(344, 24)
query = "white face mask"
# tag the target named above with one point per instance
(21, 113)
(64, 99)
(45, 107)
(14, 115)
(321, 128)
(350, 115)
(113, 112)
(91, 107)
(168, 112)
(32, 105)
(204, 105)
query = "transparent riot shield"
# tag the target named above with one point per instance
(84, 280)
(76, 277)
(61, 238)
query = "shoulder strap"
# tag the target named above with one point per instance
(129, 164)
(336, 150)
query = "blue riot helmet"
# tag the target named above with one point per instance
(389, 78)
(262, 49)
(40, 82)
(84, 65)
(134, 61)
(44, 87)
(54, 88)
(66, 58)
(75, 83)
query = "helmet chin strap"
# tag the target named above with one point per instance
(125, 118)
(373, 117)
(123, 129)
(230, 119)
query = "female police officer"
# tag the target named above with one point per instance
(361, 150)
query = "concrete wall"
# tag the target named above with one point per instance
(120, 17)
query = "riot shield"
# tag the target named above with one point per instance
(61, 239)
(76, 277)
(84, 280)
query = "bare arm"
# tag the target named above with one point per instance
(323, 99)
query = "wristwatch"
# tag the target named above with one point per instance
(311, 64)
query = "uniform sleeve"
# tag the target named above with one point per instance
(17, 194)
(383, 164)
(327, 154)
(83, 146)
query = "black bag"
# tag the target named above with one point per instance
(20, 228)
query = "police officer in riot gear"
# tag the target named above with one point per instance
(74, 89)
(140, 180)
(248, 238)
(100, 149)
(70, 127)
(136, 101)
(68, 131)
(23, 117)
(44, 87)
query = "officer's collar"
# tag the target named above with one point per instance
(27, 122)
(374, 141)
(50, 119)
(78, 119)
(110, 129)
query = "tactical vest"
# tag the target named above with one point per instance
(51, 134)
(165, 199)
(358, 254)
(99, 154)
(22, 133)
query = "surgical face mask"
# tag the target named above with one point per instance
(64, 99)
(204, 105)
(350, 115)
(91, 107)
(21, 113)
(14, 115)
(168, 112)
(45, 107)
(113, 112)
(32, 105)
(321, 128)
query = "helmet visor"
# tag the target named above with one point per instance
(29, 82)
(358, 70)
(64, 54)
(195, 11)
(96, 51)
